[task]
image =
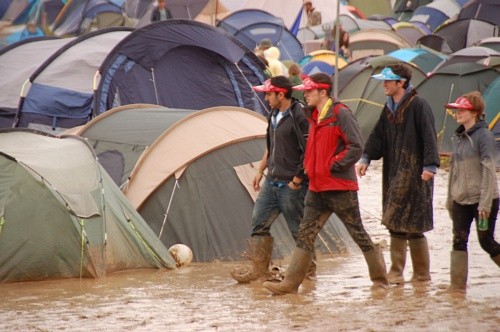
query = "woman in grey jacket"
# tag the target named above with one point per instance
(473, 187)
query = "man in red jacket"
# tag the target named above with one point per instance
(334, 146)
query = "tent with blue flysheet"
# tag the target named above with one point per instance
(78, 17)
(18, 62)
(436, 13)
(61, 215)
(250, 26)
(180, 64)
(59, 94)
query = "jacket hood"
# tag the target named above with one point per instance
(480, 124)
(272, 53)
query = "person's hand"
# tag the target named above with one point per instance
(294, 185)
(256, 181)
(426, 175)
(361, 169)
(484, 214)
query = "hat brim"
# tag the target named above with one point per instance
(302, 87)
(457, 105)
(382, 77)
(259, 88)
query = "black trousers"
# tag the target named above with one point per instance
(462, 216)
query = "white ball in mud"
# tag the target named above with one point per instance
(182, 254)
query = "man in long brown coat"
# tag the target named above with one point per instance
(405, 138)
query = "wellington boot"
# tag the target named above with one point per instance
(458, 272)
(496, 259)
(295, 273)
(398, 260)
(376, 268)
(311, 272)
(260, 252)
(419, 251)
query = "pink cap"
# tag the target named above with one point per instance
(309, 84)
(268, 87)
(461, 102)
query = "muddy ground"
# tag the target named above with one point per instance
(202, 297)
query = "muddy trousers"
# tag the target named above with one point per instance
(462, 216)
(318, 208)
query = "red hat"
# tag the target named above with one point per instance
(461, 102)
(268, 87)
(309, 84)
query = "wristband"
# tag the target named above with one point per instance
(259, 171)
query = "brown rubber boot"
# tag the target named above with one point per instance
(496, 259)
(376, 268)
(311, 273)
(419, 251)
(295, 273)
(398, 260)
(458, 272)
(260, 252)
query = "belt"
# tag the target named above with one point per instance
(278, 183)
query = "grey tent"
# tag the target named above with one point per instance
(375, 42)
(192, 186)
(484, 10)
(122, 134)
(464, 33)
(491, 42)
(446, 85)
(479, 54)
(61, 216)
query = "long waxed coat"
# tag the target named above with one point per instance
(407, 142)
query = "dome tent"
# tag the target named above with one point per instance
(180, 64)
(61, 216)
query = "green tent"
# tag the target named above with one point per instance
(492, 100)
(365, 95)
(61, 215)
(447, 84)
(119, 136)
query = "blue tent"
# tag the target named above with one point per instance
(180, 64)
(421, 57)
(78, 15)
(313, 67)
(430, 16)
(250, 26)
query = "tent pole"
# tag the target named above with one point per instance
(154, 86)
(337, 40)
(176, 185)
(445, 117)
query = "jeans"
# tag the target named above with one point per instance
(319, 207)
(276, 199)
(462, 216)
